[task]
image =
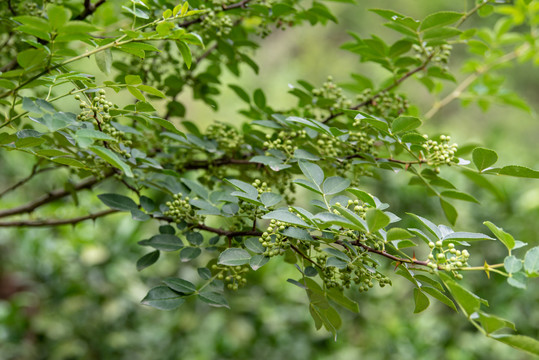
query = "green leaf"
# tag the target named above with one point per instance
(309, 185)
(353, 217)
(512, 264)
(433, 229)
(213, 299)
(29, 142)
(338, 297)
(297, 233)
(439, 296)
(397, 234)
(519, 171)
(234, 257)
(257, 261)
(77, 27)
(112, 159)
(363, 196)
(429, 281)
(240, 92)
(338, 254)
(180, 285)
(194, 238)
(165, 242)
(449, 211)
(438, 19)
(133, 80)
(492, 323)
(466, 236)
(243, 186)
(376, 219)
(405, 123)
(118, 202)
(186, 53)
(151, 90)
(484, 158)
(163, 298)
(189, 253)
(421, 301)
(335, 184)
(136, 12)
(285, 216)
(520, 342)
(312, 171)
(147, 260)
(103, 59)
(518, 280)
(136, 93)
(259, 99)
(531, 260)
(31, 58)
(167, 125)
(58, 15)
(254, 245)
(459, 196)
(506, 238)
(270, 199)
(469, 302)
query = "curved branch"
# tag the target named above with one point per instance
(50, 197)
(56, 222)
(89, 9)
(388, 88)
(23, 181)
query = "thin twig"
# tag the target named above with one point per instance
(455, 94)
(51, 196)
(386, 89)
(56, 222)
(21, 182)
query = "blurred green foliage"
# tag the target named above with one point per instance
(74, 292)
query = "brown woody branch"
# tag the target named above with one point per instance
(388, 88)
(50, 197)
(89, 9)
(204, 164)
(56, 222)
(21, 182)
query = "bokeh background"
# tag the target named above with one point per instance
(74, 292)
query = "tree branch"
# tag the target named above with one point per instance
(203, 164)
(89, 9)
(50, 197)
(241, 4)
(388, 88)
(21, 182)
(56, 222)
(228, 234)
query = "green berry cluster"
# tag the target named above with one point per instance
(449, 259)
(180, 209)
(386, 104)
(332, 92)
(439, 54)
(285, 141)
(261, 186)
(274, 242)
(357, 142)
(98, 113)
(233, 275)
(217, 21)
(438, 153)
(357, 207)
(228, 138)
(360, 272)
